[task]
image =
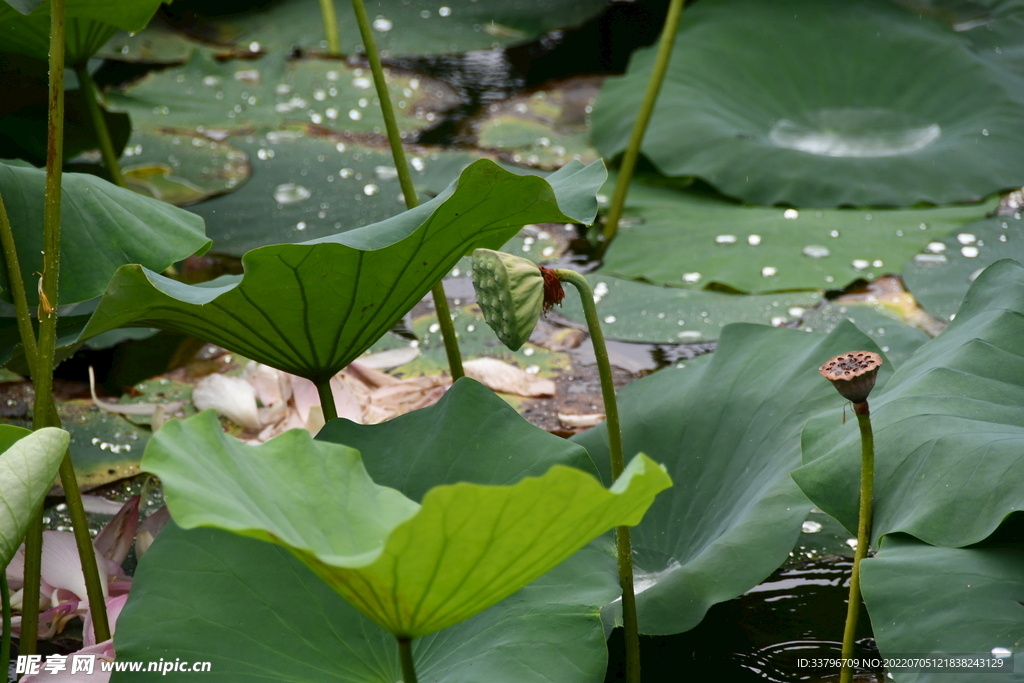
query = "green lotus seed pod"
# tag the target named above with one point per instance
(510, 292)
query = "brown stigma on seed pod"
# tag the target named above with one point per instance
(553, 292)
(852, 374)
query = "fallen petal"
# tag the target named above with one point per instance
(232, 397)
(505, 378)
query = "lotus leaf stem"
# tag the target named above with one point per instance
(5, 638)
(444, 316)
(44, 410)
(611, 410)
(327, 400)
(405, 656)
(99, 125)
(643, 117)
(867, 485)
(330, 27)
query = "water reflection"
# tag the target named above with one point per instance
(861, 133)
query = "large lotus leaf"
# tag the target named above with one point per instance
(306, 185)
(638, 311)
(948, 429)
(158, 43)
(28, 466)
(256, 613)
(312, 308)
(822, 118)
(247, 94)
(401, 27)
(703, 240)
(940, 276)
(89, 24)
(413, 569)
(102, 228)
(897, 339)
(470, 435)
(925, 600)
(728, 432)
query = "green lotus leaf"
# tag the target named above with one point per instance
(312, 308)
(896, 339)
(728, 432)
(948, 429)
(256, 613)
(400, 28)
(470, 435)
(548, 631)
(703, 241)
(925, 600)
(89, 25)
(510, 292)
(822, 118)
(28, 466)
(348, 189)
(642, 312)
(940, 276)
(413, 569)
(102, 228)
(261, 94)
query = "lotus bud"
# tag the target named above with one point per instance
(853, 374)
(510, 292)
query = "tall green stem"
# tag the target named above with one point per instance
(16, 285)
(99, 125)
(44, 411)
(867, 487)
(611, 411)
(444, 316)
(330, 27)
(643, 117)
(327, 400)
(5, 639)
(405, 657)
(30, 589)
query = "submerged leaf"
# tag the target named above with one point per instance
(312, 308)
(948, 429)
(413, 569)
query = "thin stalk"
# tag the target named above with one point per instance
(867, 486)
(330, 27)
(643, 117)
(5, 639)
(611, 411)
(99, 125)
(44, 411)
(327, 400)
(405, 657)
(16, 285)
(30, 589)
(444, 317)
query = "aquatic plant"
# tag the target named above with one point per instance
(853, 374)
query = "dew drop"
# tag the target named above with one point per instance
(796, 311)
(691, 278)
(810, 527)
(929, 259)
(355, 114)
(445, 12)
(301, 225)
(254, 46)
(769, 271)
(833, 233)
(966, 238)
(370, 189)
(418, 164)
(725, 239)
(382, 25)
(435, 328)
(877, 263)
(689, 335)
(860, 264)
(386, 172)
(935, 247)
(984, 131)
(791, 214)
(969, 252)
(816, 251)
(754, 240)
(362, 82)
(290, 193)
(610, 319)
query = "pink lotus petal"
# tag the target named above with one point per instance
(98, 505)
(115, 539)
(114, 607)
(103, 651)
(149, 529)
(62, 568)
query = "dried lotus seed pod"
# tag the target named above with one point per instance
(510, 292)
(853, 374)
